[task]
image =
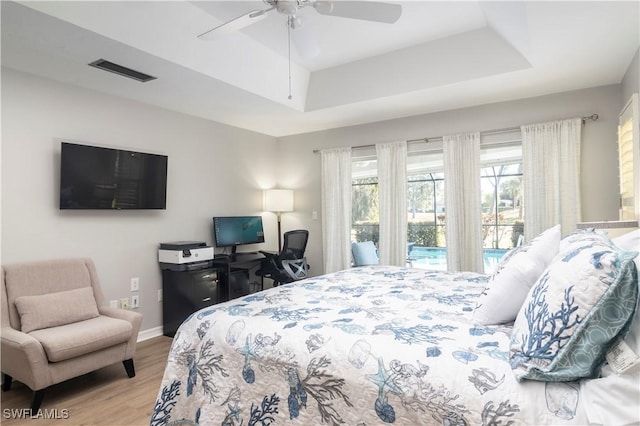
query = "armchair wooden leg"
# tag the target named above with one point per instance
(6, 383)
(128, 365)
(37, 400)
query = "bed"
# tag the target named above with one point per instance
(365, 346)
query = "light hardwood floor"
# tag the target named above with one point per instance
(104, 397)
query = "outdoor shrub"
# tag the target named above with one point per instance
(367, 231)
(423, 234)
(517, 230)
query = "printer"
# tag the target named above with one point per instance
(184, 255)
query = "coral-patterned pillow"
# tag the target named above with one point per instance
(574, 312)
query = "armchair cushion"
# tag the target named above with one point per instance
(55, 309)
(79, 338)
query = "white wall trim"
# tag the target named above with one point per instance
(149, 333)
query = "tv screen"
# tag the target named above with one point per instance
(93, 177)
(231, 231)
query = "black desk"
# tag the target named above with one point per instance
(234, 273)
(185, 290)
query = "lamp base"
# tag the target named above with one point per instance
(279, 233)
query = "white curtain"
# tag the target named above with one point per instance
(551, 174)
(392, 197)
(336, 208)
(463, 211)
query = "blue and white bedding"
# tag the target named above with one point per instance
(364, 346)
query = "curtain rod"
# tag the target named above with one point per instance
(592, 117)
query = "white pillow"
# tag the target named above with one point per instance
(630, 240)
(546, 245)
(510, 284)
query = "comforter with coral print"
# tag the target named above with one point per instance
(364, 346)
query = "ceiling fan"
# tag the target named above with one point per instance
(363, 10)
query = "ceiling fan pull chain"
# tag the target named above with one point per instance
(289, 23)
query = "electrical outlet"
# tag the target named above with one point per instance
(135, 302)
(159, 295)
(113, 304)
(124, 303)
(135, 284)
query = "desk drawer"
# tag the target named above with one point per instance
(204, 288)
(185, 292)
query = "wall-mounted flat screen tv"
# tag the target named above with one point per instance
(94, 177)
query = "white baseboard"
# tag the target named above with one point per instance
(149, 333)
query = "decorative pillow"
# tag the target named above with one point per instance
(613, 389)
(546, 245)
(516, 272)
(54, 309)
(574, 312)
(364, 253)
(629, 241)
(583, 237)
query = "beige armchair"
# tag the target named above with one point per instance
(56, 325)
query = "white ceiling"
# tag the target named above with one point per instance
(440, 55)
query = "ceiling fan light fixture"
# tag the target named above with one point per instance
(287, 7)
(323, 7)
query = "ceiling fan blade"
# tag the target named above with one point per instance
(365, 10)
(235, 24)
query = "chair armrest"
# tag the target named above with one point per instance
(134, 318)
(268, 254)
(24, 358)
(122, 314)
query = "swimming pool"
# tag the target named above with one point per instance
(436, 258)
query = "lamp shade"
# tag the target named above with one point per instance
(278, 200)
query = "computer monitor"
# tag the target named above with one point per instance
(232, 231)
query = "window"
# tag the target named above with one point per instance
(501, 185)
(425, 198)
(629, 160)
(501, 178)
(364, 200)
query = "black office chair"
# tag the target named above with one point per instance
(290, 264)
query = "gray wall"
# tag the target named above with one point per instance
(631, 80)
(214, 169)
(599, 157)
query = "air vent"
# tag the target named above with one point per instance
(120, 70)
